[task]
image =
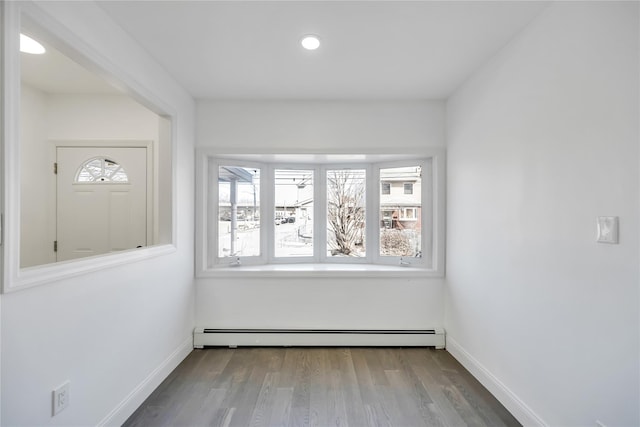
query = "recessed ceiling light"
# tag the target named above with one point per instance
(310, 42)
(29, 45)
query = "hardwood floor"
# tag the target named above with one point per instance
(321, 387)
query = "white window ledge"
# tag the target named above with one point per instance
(319, 270)
(38, 275)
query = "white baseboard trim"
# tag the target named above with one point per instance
(509, 399)
(129, 404)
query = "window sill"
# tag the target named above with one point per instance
(319, 270)
(38, 275)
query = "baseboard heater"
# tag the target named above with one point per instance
(203, 337)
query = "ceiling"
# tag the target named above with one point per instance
(56, 73)
(370, 49)
(251, 49)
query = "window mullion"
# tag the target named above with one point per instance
(320, 212)
(267, 211)
(373, 207)
(212, 214)
(429, 212)
(369, 214)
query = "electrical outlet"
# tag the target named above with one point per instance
(60, 398)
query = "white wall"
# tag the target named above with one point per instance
(338, 126)
(116, 332)
(99, 116)
(323, 126)
(320, 303)
(541, 140)
(36, 229)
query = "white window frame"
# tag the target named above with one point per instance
(427, 212)
(385, 183)
(217, 261)
(103, 179)
(271, 220)
(369, 192)
(404, 188)
(432, 201)
(404, 216)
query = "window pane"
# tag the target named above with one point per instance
(238, 211)
(346, 212)
(400, 212)
(294, 212)
(101, 170)
(386, 187)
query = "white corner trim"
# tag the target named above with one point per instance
(508, 398)
(139, 394)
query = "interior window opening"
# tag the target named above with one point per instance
(71, 186)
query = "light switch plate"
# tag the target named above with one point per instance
(607, 229)
(60, 397)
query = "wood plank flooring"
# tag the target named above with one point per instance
(321, 387)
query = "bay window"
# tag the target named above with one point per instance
(311, 209)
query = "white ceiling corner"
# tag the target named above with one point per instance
(370, 49)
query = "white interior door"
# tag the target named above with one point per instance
(101, 200)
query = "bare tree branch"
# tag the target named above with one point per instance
(346, 211)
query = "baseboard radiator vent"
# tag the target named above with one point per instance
(203, 337)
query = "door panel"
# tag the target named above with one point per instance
(102, 216)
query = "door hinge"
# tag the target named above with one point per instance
(55, 246)
(55, 168)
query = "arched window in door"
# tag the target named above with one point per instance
(101, 169)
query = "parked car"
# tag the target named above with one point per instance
(226, 216)
(291, 219)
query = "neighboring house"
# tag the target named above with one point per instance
(400, 198)
(300, 209)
